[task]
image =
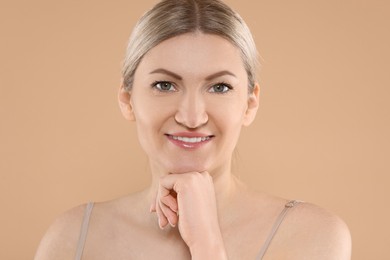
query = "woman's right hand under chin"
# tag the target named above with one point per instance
(188, 200)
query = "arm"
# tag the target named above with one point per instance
(61, 238)
(336, 239)
(311, 232)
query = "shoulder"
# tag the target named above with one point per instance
(311, 232)
(60, 240)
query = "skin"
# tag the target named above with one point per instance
(194, 208)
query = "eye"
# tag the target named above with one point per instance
(220, 88)
(163, 86)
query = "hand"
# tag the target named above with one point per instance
(188, 199)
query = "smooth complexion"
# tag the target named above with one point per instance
(190, 100)
(193, 85)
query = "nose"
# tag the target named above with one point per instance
(191, 112)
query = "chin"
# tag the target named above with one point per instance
(181, 167)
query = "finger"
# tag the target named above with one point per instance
(152, 207)
(169, 214)
(168, 204)
(153, 204)
(170, 201)
(171, 182)
(162, 220)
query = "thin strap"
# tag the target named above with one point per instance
(84, 231)
(275, 227)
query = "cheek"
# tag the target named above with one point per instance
(150, 119)
(147, 131)
(150, 110)
(228, 113)
(228, 119)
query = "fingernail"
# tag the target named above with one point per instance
(170, 223)
(159, 224)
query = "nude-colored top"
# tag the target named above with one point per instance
(275, 227)
(84, 231)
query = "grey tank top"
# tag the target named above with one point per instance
(275, 227)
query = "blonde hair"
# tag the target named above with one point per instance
(170, 18)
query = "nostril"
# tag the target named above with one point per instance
(191, 121)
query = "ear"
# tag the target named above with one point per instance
(124, 100)
(253, 105)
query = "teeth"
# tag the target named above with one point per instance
(191, 139)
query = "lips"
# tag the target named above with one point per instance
(189, 140)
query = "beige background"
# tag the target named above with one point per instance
(321, 135)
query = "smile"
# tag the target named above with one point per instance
(189, 141)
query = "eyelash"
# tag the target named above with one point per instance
(156, 83)
(228, 86)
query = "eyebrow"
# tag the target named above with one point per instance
(212, 76)
(219, 74)
(167, 72)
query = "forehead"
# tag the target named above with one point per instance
(195, 54)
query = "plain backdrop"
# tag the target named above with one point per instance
(321, 134)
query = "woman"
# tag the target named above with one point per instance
(189, 85)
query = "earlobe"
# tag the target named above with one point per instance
(253, 105)
(124, 100)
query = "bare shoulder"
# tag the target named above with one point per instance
(60, 240)
(311, 232)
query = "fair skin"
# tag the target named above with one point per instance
(194, 208)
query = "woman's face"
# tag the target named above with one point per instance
(189, 101)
